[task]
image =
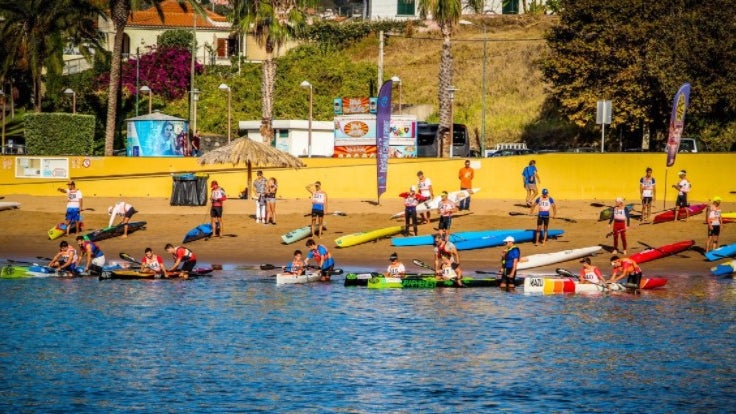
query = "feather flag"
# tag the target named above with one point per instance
(383, 129)
(677, 122)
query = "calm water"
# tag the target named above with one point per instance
(236, 342)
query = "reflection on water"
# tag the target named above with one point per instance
(237, 342)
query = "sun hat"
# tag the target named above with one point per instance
(716, 199)
(413, 188)
(545, 191)
(508, 239)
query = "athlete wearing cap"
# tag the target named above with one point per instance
(683, 188)
(713, 218)
(218, 196)
(395, 267)
(73, 206)
(509, 261)
(619, 222)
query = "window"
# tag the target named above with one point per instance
(406, 8)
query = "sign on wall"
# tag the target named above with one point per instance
(156, 138)
(41, 167)
(355, 136)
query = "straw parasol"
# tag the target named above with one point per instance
(252, 153)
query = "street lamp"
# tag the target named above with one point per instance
(224, 87)
(306, 84)
(2, 96)
(451, 92)
(69, 91)
(195, 98)
(397, 79)
(148, 90)
(482, 87)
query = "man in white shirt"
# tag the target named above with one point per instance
(123, 210)
(683, 188)
(73, 206)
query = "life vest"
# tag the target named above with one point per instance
(505, 255)
(184, 253)
(96, 252)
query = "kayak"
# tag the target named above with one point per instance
(722, 252)
(297, 234)
(730, 215)
(137, 275)
(433, 204)
(8, 205)
(497, 240)
(366, 236)
(567, 285)
(428, 239)
(10, 271)
(431, 282)
(361, 279)
(723, 269)
(607, 212)
(114, 231)
(658, 252)
(669, 215)
(291, 279)
(199, 232)
(543, 259)
(60, 229)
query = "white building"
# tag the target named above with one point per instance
(292, 136)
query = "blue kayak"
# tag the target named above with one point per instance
(428, 239)
(723, 269)
(200, 232)
(723, 252)
(520, 236)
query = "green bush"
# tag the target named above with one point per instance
(59, 134)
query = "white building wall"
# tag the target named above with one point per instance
(296, 141)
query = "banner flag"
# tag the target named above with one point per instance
(383, 133)
(677, 122)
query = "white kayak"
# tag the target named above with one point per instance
(290, 278)
(8, 205)
(544, 259)
(433, 204)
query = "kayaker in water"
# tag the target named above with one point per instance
(296, 267)
(509, 261)
(182, 255)
(444, 246)
(625, 268)
(713, 218)
(619, 222)
(683, 188)
(395, 267)
(153, 263)
(66, 259)
(92, 251)
(450, 270)
(590, 273)
(322, 256)
(545, 204)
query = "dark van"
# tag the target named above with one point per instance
(427, 135)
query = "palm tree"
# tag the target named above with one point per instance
(34, 34)
(119, 12)
(446, 13)
(273, 23)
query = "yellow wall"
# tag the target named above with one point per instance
(567, 176)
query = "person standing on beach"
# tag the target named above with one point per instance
(218, 197)
(509, 261)
(259, 195)
(466, 175)
(73, 206)
(411, 201)
(182, 255)
(446, 208)
(322, 256)
(531, 179)
(123, 210)
(424, 185)
(319, 206)
(619, 222)
(271, 188)
(683, 188)
(92, 251)
(648, 193)
(545, 203)
(713, 218)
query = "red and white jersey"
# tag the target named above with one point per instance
(619, 213)
(155, 263)
(74, 198)
(411, 200)
(591, 274)
(423, 187)
(446, 208)
(714, 216)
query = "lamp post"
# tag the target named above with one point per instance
(2, 96)
(451, 92)
(306, 84)
(482, 87)
(69, 91)
(195, 98)
(224, 87)
(148, 90)
(397, 79)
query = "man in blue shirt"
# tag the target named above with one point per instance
(531, 179)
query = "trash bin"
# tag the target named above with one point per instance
(189, 190)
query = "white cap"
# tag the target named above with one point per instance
(619, 200)
(413, 188)
(509, 239)
(109, 211)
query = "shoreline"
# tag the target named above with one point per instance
(253, 244)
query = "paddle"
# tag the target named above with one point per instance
(19, 262)
(566, 273)
(599, 205)
(334, 213)
(269, 266)
(422, 264)
(519, 213)
(126, 256)
(87, 209)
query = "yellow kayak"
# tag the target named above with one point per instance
(731, 215)
(366, 236)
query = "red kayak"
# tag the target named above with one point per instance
(662, 251)
(652, 282)
(669, 215)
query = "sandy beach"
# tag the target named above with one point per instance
(25, 232)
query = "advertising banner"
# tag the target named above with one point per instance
(677, 122)
(157, 138)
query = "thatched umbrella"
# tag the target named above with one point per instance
(252, 153)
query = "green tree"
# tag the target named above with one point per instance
(119, 12)
(272, 23)
(179, 38)
(446, 13)
(35, 32)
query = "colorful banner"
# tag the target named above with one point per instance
(369, 151)
(677, 122)
(156, 138)
(383, 134)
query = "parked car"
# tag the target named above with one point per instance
(510, 151)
